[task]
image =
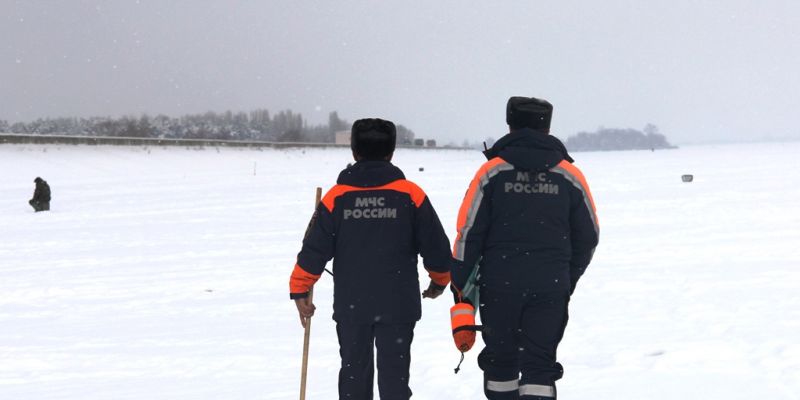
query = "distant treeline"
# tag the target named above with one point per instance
(285, 126)
(619, 139)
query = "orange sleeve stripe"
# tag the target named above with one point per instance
(301, 280)
(400, 185)
(440, 278)
(581, 180)
(469, 200)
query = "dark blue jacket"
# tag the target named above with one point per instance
(528, 219)
(41, 193)
(373, 224)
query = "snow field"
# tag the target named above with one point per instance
(162, 273)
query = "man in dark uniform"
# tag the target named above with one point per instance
(373, 223)
(529, 226)
(41, 196)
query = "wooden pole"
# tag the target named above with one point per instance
(307, 333)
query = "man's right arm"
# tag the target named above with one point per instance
(318, 249)
(473, 222)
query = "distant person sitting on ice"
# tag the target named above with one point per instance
(41, 196)
(373, 223)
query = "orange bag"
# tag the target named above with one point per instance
(462, 321)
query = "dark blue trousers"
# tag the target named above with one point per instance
(522, 331)
(39, 205)
(393, 344)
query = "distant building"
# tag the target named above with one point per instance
(419, 142)
(430, 143)
(342, 137)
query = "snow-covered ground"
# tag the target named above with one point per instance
(162, 273)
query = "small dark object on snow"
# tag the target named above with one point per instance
(687, 177)
(41, 196)
(421, 169)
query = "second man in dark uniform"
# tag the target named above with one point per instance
(528, 224)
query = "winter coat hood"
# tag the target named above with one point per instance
(369, 174)
(529, 150)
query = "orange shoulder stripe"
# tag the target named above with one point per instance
(332, 194)
(472, 199)
(400, 185)
(575, 175)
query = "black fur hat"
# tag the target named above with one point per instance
(373, 138)
(529, 112)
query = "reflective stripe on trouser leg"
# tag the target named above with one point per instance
(537, 390)
(502, 386)
(500, 390)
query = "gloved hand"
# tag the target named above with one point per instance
(433, 291)
(462, 321)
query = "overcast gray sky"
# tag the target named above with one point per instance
(700, 70)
